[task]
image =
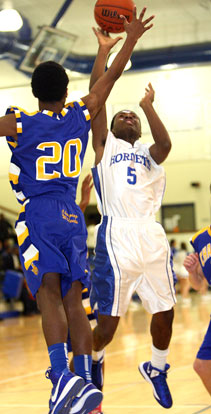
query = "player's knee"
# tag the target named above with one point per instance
(105, 332)
(198, 367)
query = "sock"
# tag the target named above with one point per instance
(159, 357)
(83, 366)
(58, 356)
(97, 368)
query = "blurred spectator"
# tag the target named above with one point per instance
(6, 228)
(173, 248)
(11, 261)
(181, 273)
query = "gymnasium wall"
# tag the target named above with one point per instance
(183, 102)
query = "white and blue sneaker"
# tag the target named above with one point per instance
(87, 399)
(157, 379)
(65, 387)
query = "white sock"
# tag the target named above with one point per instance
(97, 355)
(159, 357)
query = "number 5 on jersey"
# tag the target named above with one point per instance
(58, 154)
(131, 174)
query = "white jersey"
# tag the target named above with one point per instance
(128, 182)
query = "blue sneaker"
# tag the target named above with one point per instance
(157, 379)
(87, 399)
(65, 387)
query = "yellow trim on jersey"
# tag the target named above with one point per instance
(23, 236)
(200, 232)
(87, 114)
(28, 263)
(13, 144)
(17, 114)
(70, 104)
(13, 178)
(88, 310)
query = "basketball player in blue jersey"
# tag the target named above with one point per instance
(48, 149)
(132, 251)
(198, 264)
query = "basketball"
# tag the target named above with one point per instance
(107, 12)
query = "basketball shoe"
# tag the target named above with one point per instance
(157, 379)
(87, 399)
(97, 410)
(65, 387)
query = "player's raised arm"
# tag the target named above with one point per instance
(101, 89)
(160, 149)
(99, 122)
(8, 126)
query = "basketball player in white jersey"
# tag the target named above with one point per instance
(132, 251)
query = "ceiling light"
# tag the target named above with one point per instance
(112, 57)
(10, 20)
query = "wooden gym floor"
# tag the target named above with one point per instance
(24, 359)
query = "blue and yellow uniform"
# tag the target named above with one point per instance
(201, 243)
(45, 167)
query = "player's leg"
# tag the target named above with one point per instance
(54, 324)
(202, 363)
(155, 371)
(90, 397)
(161, 329)
(104, 331)
(97, 362)
(203, 369)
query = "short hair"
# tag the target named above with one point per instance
(49, 82)
(113, 119)
(112, 122)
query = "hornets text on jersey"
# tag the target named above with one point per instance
(138, 181)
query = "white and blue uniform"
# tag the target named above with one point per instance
(201, 242)
(132, 251)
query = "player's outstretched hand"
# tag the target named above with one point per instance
(149, 96)
(138, 26)
(104, 39)
(191, 262)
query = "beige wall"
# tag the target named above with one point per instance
(183, 101)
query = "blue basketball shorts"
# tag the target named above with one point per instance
(52, 238)
(205, 348)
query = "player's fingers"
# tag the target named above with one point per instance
(117, 39)
(148, 20)
(148, 27)
(125, 21)
(142, 13)
(94, 30)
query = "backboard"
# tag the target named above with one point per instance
(49, 44)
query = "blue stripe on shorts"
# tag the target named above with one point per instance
(205, 348)
(103, 279)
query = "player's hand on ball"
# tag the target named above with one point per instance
(104, 38)
(138, 26)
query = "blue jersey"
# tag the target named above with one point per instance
(48, 155)
(201, 242)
